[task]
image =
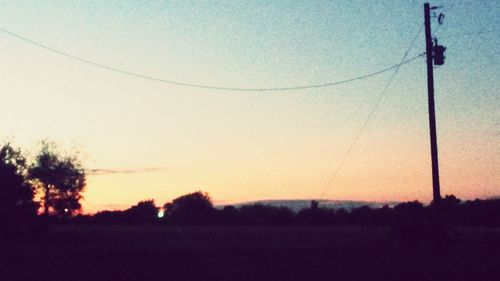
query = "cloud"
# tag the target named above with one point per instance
(97, 172)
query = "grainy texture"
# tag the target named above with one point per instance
(249, 253)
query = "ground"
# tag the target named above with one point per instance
(249, 253)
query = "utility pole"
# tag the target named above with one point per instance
(435, 55)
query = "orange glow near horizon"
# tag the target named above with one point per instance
(159, 140)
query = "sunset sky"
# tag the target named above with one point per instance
(148, 139)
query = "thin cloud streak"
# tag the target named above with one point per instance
(99, 172)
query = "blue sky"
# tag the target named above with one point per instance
(244, 146)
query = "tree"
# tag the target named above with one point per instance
(16, 195)
(193, 208)
(61, 179)
(144, 212)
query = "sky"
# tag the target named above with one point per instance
(147, 139)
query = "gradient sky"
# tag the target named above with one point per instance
(159, 141)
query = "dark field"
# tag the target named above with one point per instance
(249, 253)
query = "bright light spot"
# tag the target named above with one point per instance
(161, 213)
(66, 210)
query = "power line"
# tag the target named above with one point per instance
(370, 115)
(203, 86)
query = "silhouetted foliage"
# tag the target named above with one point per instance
(480, 213)
(108, 218)
(16, 195)
(410, 221)
(229, 215)
(363, 216)
(450, 210)
(60, 178)
(142, 213)
(259, 214)
(382, 216)
(315, 215)
(409, 212)
(191, 209)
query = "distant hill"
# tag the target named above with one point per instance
(297, 205)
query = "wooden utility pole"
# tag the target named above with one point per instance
(432, 111)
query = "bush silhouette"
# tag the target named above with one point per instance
(142, 213)
(191, 209)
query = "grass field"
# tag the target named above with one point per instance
(248, 253)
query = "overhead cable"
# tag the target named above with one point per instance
(370, 114)
(205, 86)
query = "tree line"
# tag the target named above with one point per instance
(197, 209)
(49, 188)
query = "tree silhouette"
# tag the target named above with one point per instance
(144, 212)
(61, 180)
(193, 208)
(16, 195)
